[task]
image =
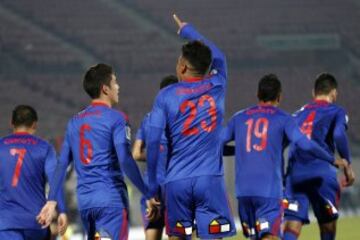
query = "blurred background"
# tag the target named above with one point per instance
(46, 46)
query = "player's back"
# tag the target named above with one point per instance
(22, 179)
(260, 138)
(317, 121)
(90, 135)
(195, 110)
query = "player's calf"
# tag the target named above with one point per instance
(328, 230)
(292, 230)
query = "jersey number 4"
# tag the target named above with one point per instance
(85, 144)
(189, 131)
(260, 131)
(307, 126)
(21, 154)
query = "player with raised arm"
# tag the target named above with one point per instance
(261, 133)
(309, 179)
(98, 141)
(191, 113)
(153, 228)
(26, 163)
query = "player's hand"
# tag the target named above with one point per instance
(153, 209)
(62, 223)
(180, 23)
(341, 163)
(349, 176)
(46, 214)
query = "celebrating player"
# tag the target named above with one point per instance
(192, 112)
(26, 163)
(153, 229)
(311, 180)
(98, 140)
(261, 133)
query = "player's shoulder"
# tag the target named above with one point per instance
(118, 115)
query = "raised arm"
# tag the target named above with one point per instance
(187, 31)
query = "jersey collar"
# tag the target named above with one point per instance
(195, 79)
(21, 133)
(99, 103)
(320, 101)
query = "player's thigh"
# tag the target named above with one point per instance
(213, 213)
(269, 216)
(39, 234)
(325, 200)
(247, 216)
(112, 223)
(12, 234)
(296, 204)
(179, 213)
(88, 222)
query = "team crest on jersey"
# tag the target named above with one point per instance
(128, 132)
(183, 227)
(102, 235)
(220, 225)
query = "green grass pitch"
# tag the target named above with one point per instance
(347, 229)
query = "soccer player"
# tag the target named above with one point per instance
(26, 163)
(311, 180)
(191, 113)
(261, 133)
(153, 229)
(98, 141)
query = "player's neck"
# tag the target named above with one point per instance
(23, 130)
(101, 101)
(192, 77)
(269, 103)
(323, 98)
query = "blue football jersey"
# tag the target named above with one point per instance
(191, 113)
(26, 162)
(261, 134)
(90, 141)
(141, 134)
(326, 124)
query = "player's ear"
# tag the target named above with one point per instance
(34, 126)
(105, 89)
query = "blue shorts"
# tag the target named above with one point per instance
(202, 199)
(260, 216)
(322, 193)
(25, 234)
(107, 223)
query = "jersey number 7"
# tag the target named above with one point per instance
(260, 131)
(21, 152)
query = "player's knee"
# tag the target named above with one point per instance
(328, 227)
(269, 237)
(293, 226)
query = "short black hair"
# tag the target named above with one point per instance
(168, 80)
(269, 88)
(198, 55)
(23, 115)
(96, 77)
(324, 83)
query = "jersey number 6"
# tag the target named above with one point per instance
(85, 144)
